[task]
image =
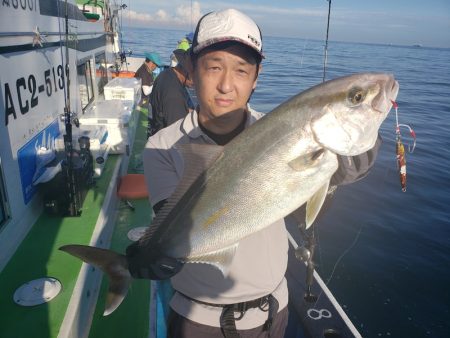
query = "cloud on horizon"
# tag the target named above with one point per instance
(347, 24)
(182, 16)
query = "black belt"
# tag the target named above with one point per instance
(228, 321)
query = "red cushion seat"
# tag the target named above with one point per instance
(132, 186)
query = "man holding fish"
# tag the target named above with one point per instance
(223, 179)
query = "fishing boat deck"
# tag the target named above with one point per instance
(104, 222)
(319, 314)
(38, 256)
(131, 318)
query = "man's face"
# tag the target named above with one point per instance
(224, 80)
(151, 66)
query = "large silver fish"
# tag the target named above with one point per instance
(282, 161)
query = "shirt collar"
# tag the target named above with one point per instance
(190, 125)
(191, 128)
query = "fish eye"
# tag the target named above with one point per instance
(356, 95)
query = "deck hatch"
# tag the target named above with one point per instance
(37, 291)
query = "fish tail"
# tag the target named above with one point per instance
(114, 265)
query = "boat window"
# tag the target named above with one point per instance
(4, 215)
(86, 87)
(101, 72)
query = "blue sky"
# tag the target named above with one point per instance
(425, 22)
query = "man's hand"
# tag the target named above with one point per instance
(164, 268)
(151, 264)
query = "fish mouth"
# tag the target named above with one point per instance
(394, 90)
(388, 92)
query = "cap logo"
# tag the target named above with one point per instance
(254, 40)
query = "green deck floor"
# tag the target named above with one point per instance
(132, 317)
(38, 256)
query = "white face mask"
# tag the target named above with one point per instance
(147, 89)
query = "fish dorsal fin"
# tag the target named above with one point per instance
(197, 159)
(221, 259)
(315, 203)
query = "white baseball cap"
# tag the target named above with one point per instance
(227, 25)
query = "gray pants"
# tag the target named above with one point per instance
(181, 327)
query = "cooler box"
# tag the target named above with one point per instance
(120, 120)
(122, 88)
(129, 113)
(99, 147)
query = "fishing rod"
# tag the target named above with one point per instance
(306, 253)
(68, 118)
(70, 177)
(122, 53)
(326, 42)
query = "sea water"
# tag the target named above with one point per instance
(384, 253)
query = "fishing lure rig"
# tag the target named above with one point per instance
(400, 148)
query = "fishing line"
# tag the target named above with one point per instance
(355, 240)
(325, 59)
(319, 247)
(301, 57)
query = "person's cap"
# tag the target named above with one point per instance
(227, 25)
(182, 57)
(153, 57)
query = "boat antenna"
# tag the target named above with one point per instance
(326, 42)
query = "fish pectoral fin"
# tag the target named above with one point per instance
(221, 259)
(113, 264)
(314, 204)
(306, 160)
